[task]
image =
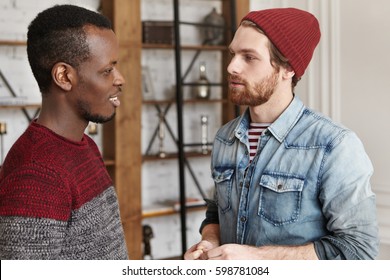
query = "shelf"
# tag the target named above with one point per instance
(166, 211)
(173, 156)
(188, 47)
(26, 106)
(12, 43)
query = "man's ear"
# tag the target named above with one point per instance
(288, 72)
(63, 75)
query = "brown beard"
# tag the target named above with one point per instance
(255, 95)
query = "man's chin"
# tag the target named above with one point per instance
(235, 96)
(100, 119)
(237, 99)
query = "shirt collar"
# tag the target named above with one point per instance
(281, 126)
(287, 120)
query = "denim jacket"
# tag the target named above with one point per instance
(309, 182)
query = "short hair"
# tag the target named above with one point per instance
(277, 58)
(57, 34)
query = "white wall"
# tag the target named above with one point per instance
(351, 70)
(365, 89)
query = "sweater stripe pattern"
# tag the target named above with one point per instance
(57, 200)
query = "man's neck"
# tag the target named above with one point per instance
(61, 121)
(270, 111)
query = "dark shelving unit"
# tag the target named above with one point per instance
(178, 48)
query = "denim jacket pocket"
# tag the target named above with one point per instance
(280, 198)
(223, 181)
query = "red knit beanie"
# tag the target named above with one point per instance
(294, 32)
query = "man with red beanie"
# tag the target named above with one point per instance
(289, 182)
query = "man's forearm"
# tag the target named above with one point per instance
(211, 233)
(304, 252)
(249, 252)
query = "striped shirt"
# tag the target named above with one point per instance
(254, 133)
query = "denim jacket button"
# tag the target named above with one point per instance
(243, 219)
(280, 186)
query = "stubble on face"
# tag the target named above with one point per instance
(253, 94)
(85, 108)
(86, 112)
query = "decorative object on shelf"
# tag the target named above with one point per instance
(161, 112)
(161, 134)
(147, 235)
(158, 32)
(3, 130)
(92, 128)
(202, 89)
(147, 85)
(214, 31)
(204, 121)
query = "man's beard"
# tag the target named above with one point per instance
(98, 118)
(85, 111)
(255, 95)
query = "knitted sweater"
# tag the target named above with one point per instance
(57, 200)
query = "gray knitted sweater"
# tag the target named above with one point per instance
(57, 201)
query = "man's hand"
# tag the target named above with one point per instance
(210, 240)
(198, 251)
(246, 252)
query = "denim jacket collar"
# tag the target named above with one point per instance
(280, 127)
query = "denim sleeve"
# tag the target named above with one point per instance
(348, 202)
(211, 214)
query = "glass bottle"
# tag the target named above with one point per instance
(161, 135)
(202, 89)
(204, 121)
(3, 128)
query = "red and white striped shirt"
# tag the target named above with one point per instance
(254, 133)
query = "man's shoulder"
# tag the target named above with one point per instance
(317, 129)
(226, 131)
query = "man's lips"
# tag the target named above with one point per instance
(236, 83)
(115, 101)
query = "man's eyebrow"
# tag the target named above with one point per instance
(246, 50)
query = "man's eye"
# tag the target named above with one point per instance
(108, 71)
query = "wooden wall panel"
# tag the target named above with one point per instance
(126, 147)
